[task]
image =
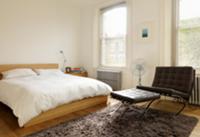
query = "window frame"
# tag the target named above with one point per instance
(101, 11)
(175, 22)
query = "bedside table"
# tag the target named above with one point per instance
(81, 74)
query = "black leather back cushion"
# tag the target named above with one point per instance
(178, 78)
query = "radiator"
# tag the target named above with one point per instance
(112, 78)
(195, 97)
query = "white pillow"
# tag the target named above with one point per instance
(14, 73)
(48, 71)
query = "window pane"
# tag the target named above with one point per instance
(113, 52)
(113, 39)
(114, 22)
(189, 33)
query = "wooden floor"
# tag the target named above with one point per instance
(9, 128)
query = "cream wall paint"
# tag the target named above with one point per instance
(154, 53)
(33, 31)
(144, 11)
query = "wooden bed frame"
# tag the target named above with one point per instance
(60, 110)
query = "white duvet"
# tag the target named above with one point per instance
(29, 96)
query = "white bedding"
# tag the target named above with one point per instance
(29, 96)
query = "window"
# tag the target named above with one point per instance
(189, 33)
(113, 36)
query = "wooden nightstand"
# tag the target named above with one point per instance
(81, 74)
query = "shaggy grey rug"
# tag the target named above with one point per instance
(119, 124)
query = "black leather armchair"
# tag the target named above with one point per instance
(177, 82)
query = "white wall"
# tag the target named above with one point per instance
(147, 11)
(154, 52)
(33, 31)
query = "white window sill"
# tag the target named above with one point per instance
(112, 68)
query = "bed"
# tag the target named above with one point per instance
(37, 99)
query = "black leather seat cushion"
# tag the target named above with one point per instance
(134, 95)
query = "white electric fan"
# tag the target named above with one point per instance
(138, 69)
